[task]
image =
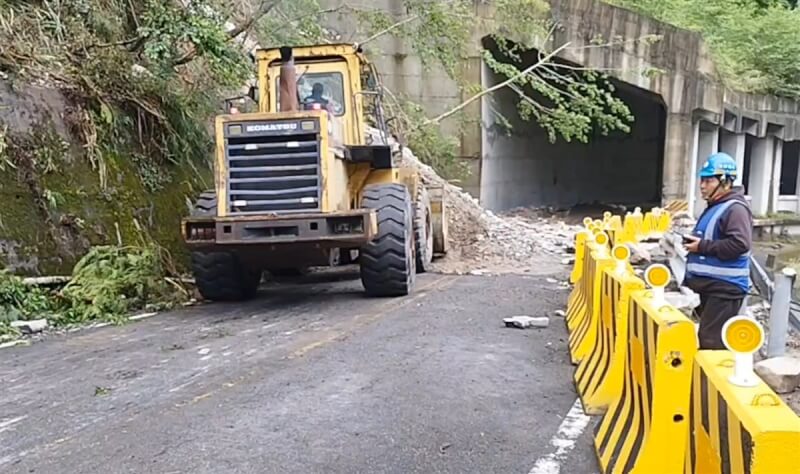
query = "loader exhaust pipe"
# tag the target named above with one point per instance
(288, 82)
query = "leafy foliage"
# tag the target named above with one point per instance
(19, 301)
(756, 43)
(566, 103)
(111, 281)
(173, 33)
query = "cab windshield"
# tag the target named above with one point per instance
(323, 88)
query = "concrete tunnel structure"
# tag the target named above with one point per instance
(521, 167)
(681, 116)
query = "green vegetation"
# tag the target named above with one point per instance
(107, 284)
(755, 43)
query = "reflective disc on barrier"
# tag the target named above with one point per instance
(657, 275)
(621, 252)
(743, 335)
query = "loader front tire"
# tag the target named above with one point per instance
(221, 276)
(388, 262)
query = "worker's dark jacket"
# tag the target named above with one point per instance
(733, 238)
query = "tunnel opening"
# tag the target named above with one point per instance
(520, 167)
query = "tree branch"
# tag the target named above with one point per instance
(393, 27)
(498, 86)
(263, 9)
(530, 100)
(389, 29)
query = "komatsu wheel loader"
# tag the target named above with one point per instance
(301, 183)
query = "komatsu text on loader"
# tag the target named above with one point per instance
(301, 183)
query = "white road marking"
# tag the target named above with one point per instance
(142, 316)
(564, 440)
(4, 425)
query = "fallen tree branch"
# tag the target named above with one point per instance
(46, 281)
(499, 86)
(263, 9)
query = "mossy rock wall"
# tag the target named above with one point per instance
(53, 206)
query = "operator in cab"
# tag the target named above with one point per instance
(316, 96)
(718, 264)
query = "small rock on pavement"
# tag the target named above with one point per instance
(782, 374)
(524, 322)
(30, 327)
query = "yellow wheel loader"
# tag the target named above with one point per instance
(302, 182)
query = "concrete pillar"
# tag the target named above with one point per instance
(734, 144)
(707, 144)
(678, 149)
(777, 164)
(693, 181)
(761, 164)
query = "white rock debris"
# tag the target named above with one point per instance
(516, 241)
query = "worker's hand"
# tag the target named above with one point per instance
(694, 245)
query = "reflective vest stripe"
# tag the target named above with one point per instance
(717, 214)
(700, 268)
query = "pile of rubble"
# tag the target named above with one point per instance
(481, 241)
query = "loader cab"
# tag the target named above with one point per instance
(328, 78)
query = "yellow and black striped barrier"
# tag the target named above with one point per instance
(665, 406)
(599, 376)
(578, 303)
(584, 317)
(580, 249)
(677, 205)
(737, 424)
(645, 429)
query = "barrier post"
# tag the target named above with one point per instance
(779, 312)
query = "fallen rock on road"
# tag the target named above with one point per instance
(524, 322)
(782, 374)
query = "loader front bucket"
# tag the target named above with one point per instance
(439, 219)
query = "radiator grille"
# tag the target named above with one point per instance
(273, 173)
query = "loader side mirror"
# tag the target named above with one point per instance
(252, 92)
(372, 84)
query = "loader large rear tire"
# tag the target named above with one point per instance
(388, 263)
(220, 275)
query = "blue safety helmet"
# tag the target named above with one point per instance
(720, 165)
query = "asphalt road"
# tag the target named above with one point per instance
(308, 378)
